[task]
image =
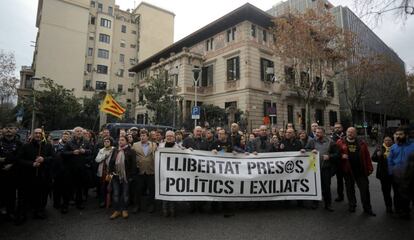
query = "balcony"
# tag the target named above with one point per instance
(88, 88)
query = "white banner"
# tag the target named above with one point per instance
(184, 175)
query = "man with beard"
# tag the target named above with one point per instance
(397, 165)
(328, 154)
(336, 135)
(78, 151)
(9, 147)
(357, 166)
(34, 159)
(210, 139)
(235, 138)
(289, 143)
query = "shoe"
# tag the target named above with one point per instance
(125, 214)
(314, 205)
(339, 199)
(329, 208)
(114, 215)
(370, 213)
(165, 213)
(351, 209)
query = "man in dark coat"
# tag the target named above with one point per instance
(77, 153)
(9, 147)
(34, 160)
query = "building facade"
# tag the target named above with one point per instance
(88, 46)
(239, 71)
(370, 44)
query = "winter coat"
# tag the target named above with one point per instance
(130, 162)
(27, 156)
(382, 163)
(364, 157)
(397, 159)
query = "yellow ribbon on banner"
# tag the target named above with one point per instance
(312, 162)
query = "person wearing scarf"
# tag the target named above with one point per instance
(380, 156)
(122, 168)
(103, 157)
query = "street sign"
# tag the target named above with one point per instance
(195, 112)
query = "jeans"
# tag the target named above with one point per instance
(120, 194)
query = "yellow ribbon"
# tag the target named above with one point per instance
(312, 162)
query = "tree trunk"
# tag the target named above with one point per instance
(307, 118)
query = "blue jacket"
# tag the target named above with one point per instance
(397, 159)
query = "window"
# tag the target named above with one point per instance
(290, 114)
(123, 28)
(304, 79)
(231, 34)
(207, 76)
(91, 36)
(100, 85)
(266, 69)
(100, 7)
(289, 75)
(121, 73)
(90, 52)
(330, 89)
(105, 23)
(333, 118)
(92, 20)
(121, 58)
(318, 84)
(122, 43)
(134, 32)
(133, 46)
(104, 38)
(233, 68)
(140, 96)
(132, 61)
(264, 35)
(88, 84)
(102, 53)
(110, 10)
(130, 90)
(270, 109)
(253, 31)
(120, 86)
(209, 44)
(89, 67)
(102, 69)
(319, 117)
(93, 4)
(131, 74)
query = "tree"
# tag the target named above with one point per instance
(158, 98)
(55, 107)
(315, 47)
(8, 82)
(377, 8)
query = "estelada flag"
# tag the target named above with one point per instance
(110, 106)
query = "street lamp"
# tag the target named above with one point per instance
(33, 79)
(174, 78)
(196, 78)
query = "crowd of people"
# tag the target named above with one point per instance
(66, 168)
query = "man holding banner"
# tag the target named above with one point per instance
(328, 156)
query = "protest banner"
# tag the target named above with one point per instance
(184, 175)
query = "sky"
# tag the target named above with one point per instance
(17, 28)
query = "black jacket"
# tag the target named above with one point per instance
(290, 145)
(130, 162)
(382, 166)
(27, 156)
(77, 160)
(9, 150)
(195, 143)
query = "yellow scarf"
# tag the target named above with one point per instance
(387, 150)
